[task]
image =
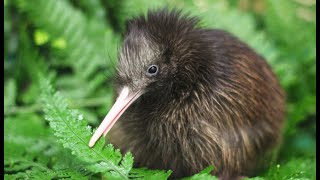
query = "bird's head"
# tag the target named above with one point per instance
(160, 57)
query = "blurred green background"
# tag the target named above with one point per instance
(74, 43)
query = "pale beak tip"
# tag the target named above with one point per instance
(122, 103)
(91, 143)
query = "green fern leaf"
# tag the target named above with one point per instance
(204, 174)
(29, 144)
(93, 9)
(296, 168)
(146, 174)
(74, 134)
(22, 142)
(40, 175)
(127, 162)
(85, 55)
(220, 15)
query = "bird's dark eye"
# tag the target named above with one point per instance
(152, 70)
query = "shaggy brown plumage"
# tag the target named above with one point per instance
(213, 101)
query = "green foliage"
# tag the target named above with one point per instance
(38, 175)
(27, 156)
(74, 44)
(84, 54)
(21, 134)
(145, 174)
(74, 134)
(10, 93)
(204, 174)
(294, 32)
(294, 169)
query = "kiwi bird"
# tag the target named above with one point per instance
(190, 97)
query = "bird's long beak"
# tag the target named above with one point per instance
(125, 99)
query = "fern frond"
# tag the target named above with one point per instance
(291, 24)
(93, 9)
(128, 9)
(146, 174)
(74, 134)
(220, 15)
(28, 144)
(85, 56)
(22, 142)
(31, 64)
(297, 168)
(203, 175)
(40, 175)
